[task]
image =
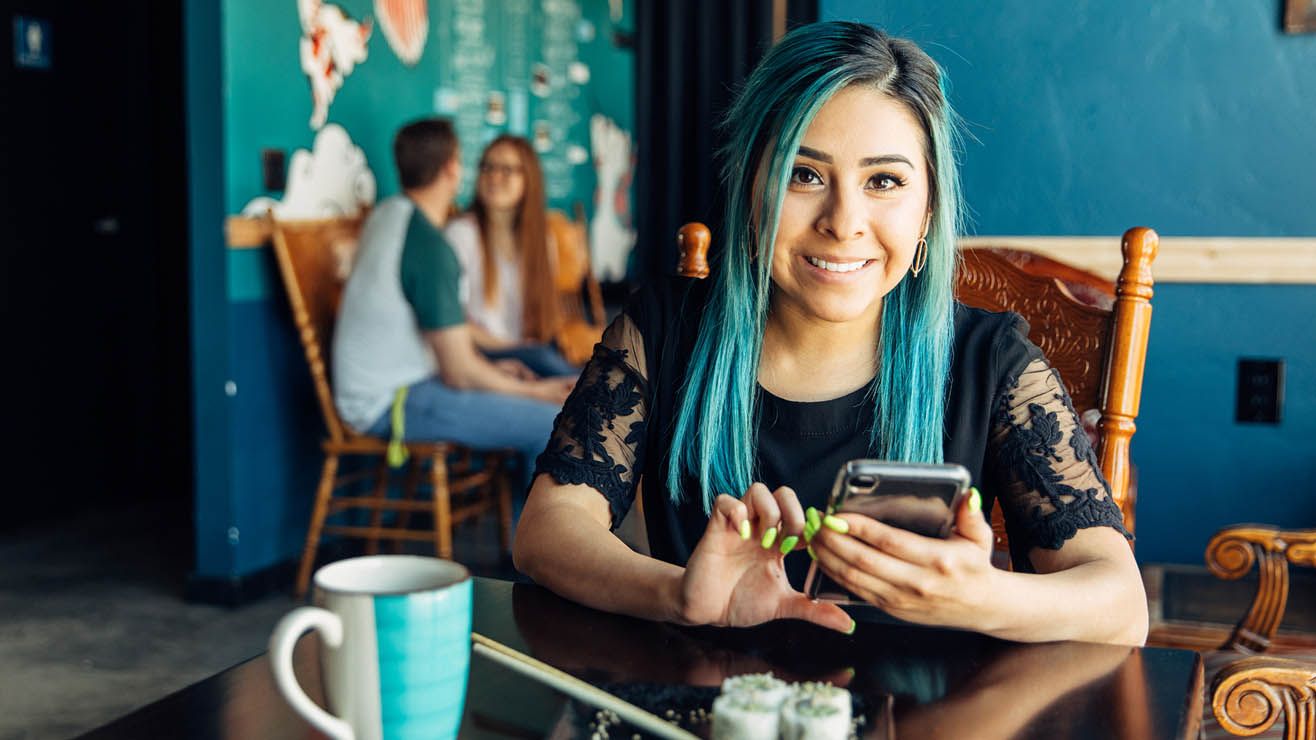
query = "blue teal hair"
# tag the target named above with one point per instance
(716, 427)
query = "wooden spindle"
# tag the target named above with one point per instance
(1123, 391)
(692, 246)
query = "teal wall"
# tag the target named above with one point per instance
(257, 423)
(268, 101)
(1190, 116)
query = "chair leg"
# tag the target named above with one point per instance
(503, 489)
(409, 490)
(442, 506)
(318, 514)
(377, 515)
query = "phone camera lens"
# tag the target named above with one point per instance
(865, 481)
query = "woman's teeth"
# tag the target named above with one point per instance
(836, 266)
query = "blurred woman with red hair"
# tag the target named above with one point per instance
(504, 245)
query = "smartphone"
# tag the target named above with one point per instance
(919, 497)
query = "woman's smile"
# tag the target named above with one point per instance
(836, 268)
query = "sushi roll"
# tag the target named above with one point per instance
(768, 688)
(815, 717)
(824, 693)
(745, 716)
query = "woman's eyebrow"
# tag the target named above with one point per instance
(884, 159)
(815, 154)
(865, 162)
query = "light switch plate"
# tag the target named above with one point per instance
(1260, 390)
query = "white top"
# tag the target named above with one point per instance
(503, 317)
(377, 346)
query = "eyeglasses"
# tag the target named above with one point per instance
(494, 168)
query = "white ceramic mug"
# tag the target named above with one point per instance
(395, 636)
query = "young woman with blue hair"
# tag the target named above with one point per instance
(828, 332)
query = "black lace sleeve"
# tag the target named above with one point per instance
(1050, 484)
(598, 437)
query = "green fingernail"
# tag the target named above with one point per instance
(849, 672)
(836, 524)
(769, 537)
(813, 517)
(788, 544)
(975, 500)
(853, 624)
(810, 550)
(744, 530)
(809, 532)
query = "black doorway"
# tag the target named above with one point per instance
(94, 262)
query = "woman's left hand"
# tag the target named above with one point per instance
(515, 368)
(916, 578)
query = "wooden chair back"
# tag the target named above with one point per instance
(315, 258)
(1099, 350)
(577, 288)
(1092, 331)
(1073, 334)
(571, 252)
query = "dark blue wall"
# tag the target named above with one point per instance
(1194, 117)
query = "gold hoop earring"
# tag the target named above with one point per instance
(920, 257)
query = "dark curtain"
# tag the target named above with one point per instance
(691, 56)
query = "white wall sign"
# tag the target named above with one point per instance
(32, 43)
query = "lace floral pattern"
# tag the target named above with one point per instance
(598, 437)
(1052, 484)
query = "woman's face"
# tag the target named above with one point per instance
(502, 179)
(854, 210)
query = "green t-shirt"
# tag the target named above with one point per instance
(430, 275)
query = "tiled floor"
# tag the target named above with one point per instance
(92, 623)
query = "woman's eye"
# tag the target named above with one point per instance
(885, 182)
(804, 176)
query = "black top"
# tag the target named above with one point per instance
(1009, 421)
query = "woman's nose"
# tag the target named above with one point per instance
(841, 218)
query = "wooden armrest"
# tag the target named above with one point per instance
(1248, 695)
(1230, 555)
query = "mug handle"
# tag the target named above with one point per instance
(282, 641)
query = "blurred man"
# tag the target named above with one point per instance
(404, 363)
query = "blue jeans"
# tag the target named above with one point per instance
(477, 419)
(542, 359)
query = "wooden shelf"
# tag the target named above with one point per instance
(1181, 259)
(243, 232)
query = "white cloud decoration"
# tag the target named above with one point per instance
(333, 179)
(610, 238)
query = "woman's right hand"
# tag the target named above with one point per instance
(733, 580)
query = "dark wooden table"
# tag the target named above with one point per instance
(913, 682)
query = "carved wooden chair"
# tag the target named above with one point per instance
(1092, 331)
(314, 258)
(1249, 695)
(578, 290)
(1246, 696)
